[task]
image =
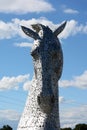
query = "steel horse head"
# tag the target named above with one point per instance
(48, 61)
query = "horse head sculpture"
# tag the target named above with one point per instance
(43, 100)
(48, 61)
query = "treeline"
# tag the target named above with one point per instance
(6, 127)
(77, 127)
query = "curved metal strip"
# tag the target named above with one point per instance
(30, 32)
(59, 29)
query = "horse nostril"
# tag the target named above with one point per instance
(52, 99)
(35, 52)
(38, 99)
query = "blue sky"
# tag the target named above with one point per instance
(16, 66)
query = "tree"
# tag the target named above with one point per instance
(6, 127)
(80, 127)
(66, 128)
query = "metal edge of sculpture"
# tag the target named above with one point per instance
(41, 111)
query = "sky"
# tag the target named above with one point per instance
(16, 66)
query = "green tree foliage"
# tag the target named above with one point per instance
(66, 128)
(81, 127)
(6, 127)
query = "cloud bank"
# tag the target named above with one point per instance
(9, 115)
(77, 81)
(7, 83)
(13, 28)
(70, 11)
(24, 44)
(25, 6)
(71, 116)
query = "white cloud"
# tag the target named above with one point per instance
(69, 30)
(70, 11)
(23, 44)
(13, 28)
(12, 82)
(72, 28)
(41, 20)
(25, 6)
(7, 30)
(61, 99)
(9, 115)
(69, 117)
(77, 81)
(10, 29)
(27, 85)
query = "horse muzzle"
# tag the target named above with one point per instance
(46, 102)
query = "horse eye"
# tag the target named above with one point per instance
(35, 52)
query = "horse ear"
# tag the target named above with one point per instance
(30, 33)
(59, 29)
